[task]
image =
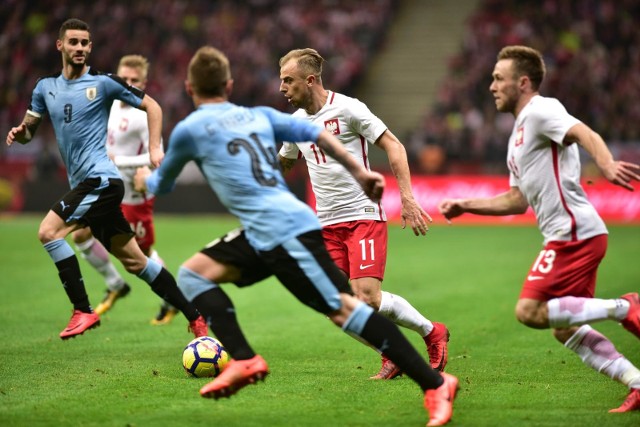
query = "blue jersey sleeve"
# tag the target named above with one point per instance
(122, 91)
(289, 128)
(37, 99)
(181, 150)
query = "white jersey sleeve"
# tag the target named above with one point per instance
(339, 198)
(547, 172)
(128, 145)
(289, 150)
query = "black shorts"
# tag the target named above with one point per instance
(234, 249)
(95, 202)
(302, 265)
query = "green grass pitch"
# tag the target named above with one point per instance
(129, 373)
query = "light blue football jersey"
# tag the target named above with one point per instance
(235, 149)
(79, 111)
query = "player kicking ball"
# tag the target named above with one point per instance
(235, 148)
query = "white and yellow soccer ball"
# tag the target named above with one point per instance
(204, 357)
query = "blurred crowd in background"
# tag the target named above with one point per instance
(591, 48)
(592, 53)
(253, 33)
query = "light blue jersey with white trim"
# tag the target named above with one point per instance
(235, 149)
(79, 111)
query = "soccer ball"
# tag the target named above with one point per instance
(204, 357)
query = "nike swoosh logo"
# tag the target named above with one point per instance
(530, 277)
(72, 329)
(439, 367)
(364, 267)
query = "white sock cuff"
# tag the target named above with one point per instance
(386, 302)
(86, 245)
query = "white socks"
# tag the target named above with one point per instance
(597, 352)
(400, 312)
(96, 255)
(575, 311)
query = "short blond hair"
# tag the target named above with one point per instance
(209, 71)
(136, 61)
(309, 61)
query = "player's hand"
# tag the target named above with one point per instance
(373, 185)
(622, 173)
(140, 179)
(17, 133)
(417, 218)
(155, 157)
(451, 208)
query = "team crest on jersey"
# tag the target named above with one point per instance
(519, 136)
(332, 126)
(91, 93)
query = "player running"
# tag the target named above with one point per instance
(544, 166)
(353, 227)
(128, 148)
(235, 148)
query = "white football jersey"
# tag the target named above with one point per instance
(547, 172)
(128, 144)
(339, 197)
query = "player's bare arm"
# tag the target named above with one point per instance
(511, 202)
(154, 121)
(25, 131)
(286, 164)
(617, 172)
(371, 182)
(412, 212)
(140, 179)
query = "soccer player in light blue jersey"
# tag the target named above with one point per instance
(235, 149)
(78, 100)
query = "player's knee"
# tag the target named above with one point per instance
(530, 316)
(341, 314)
(46, 234)
(563, 334)
(338, 317)
(133, 265)
(373, 303)
(370, 298)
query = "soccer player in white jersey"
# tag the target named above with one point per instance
(544, 166)
(354, 228)
(78, 99)
(128, 147)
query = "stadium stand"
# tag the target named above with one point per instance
(254, 34)
(592, 52)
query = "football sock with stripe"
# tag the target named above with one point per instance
(69, 272)
(220, 313)
(386, 337)
(165, 286)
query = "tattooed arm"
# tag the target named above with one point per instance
(25, 131)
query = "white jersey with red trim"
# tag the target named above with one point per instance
(547, 172)
(339, 197)
(128, 145)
